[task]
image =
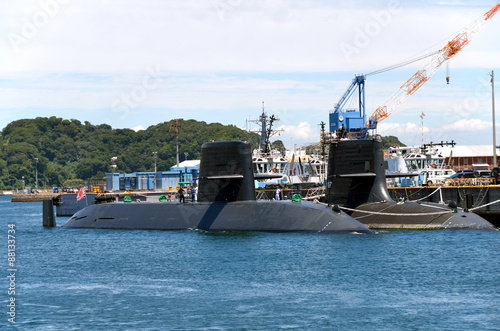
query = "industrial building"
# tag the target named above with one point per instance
(186, 172)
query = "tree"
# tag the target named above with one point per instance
(88, 168)
(278, 145)
(391, 141)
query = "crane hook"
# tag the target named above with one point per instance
(448, 72)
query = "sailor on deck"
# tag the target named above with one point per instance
(181, 195)
(277, 195)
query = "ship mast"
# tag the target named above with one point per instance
(266, 131)
(492, 74)
(263, 132)
(323, 140)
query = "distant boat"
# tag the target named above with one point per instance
(426, 164)
(273, 166)
(433, 164)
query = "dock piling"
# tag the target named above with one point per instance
(49, 219)
(469, 200)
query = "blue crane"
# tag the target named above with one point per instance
(351, 119)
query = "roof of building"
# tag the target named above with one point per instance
(468, 151)
(189, 163)
(186, 164)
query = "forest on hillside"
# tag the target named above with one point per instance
(70, 152)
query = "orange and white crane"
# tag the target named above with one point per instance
(420, 77)
(354, 121)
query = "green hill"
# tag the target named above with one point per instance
(391, 141)
(69, 150)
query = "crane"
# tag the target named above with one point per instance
(353, 120)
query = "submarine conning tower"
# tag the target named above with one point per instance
(356, 173)
(226, 172)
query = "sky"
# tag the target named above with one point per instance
(132, 64)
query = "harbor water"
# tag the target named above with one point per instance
(81, 279)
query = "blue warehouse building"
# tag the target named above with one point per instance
(187, 171)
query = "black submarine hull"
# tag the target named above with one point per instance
(262, 216)
(413, 215)
(357, 183)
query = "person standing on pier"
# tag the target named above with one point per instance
(193, 193)
(181, 195)
(277, 195)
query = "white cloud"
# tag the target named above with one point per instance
(194, 36)
(394, 129)
(470, 131)
(138, 128)
(297, 134)
(408, 133)
(291, 135)
(222, 58)
(467, 125)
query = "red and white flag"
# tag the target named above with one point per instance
(81, 194)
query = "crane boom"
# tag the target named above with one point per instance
(352, 118)
(420, 77)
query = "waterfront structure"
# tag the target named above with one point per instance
(187, 171)
(442, 155)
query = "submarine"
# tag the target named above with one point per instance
(356, 181)
(226, 202)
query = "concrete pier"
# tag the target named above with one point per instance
(33, 197)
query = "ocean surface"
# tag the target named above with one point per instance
(70, 279)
